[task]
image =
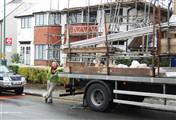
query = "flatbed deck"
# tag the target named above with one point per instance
(156, 80)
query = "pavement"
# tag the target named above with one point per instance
(35, 90)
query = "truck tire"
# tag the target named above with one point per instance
(97, 97)
(19, 91)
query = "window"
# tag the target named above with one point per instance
(75, 17)
(54, 19)
(110, 15)
(22, 54)
(92, 16)
(53, 52)
(118, 42)
(28, 49)
(44, 52)
(41, 19)
(41, 52)
(26, 22)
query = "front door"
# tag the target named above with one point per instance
(25, 54)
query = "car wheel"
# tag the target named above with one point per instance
(19, 91)
(97, 97)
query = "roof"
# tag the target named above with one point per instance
(124, 3)
(10, 7)
(37, 8)
(41, 7)
(48, 11)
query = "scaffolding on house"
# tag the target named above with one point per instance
(87, 49)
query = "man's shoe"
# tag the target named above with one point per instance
(46, 100)
(50, 101)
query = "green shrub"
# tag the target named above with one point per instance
(15, 58)
(14, 68)
(42, 76)
(165, 62)
(24, 71)
(34, 75)
(38, 75)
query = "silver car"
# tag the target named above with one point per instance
(10, 81)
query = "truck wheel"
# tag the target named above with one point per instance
(19, 91)
(97, 97)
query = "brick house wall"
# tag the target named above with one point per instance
(42, 62)
(46, 35)
(41, 35)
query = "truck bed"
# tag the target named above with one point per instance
(157, 80)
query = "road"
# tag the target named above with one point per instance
(33, 108)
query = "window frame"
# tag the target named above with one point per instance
(54, 19)
(92, 17)
(41, 19)
(26, 22)
(41, 52)
(75, 17)
(55, 54)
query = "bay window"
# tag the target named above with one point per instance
(41, 52)
(41, 19)
(54, 19)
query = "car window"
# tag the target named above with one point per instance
(3, 69)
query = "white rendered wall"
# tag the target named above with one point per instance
(26, 34)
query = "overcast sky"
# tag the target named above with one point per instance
(64, 3)
(73, 3)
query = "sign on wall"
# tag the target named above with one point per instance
(8, 41)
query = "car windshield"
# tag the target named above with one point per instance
(3, 69)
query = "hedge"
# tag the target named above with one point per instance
(35, 75)
(14, 68)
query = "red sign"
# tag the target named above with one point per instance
(8, 41)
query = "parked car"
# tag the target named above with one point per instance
(11, 81)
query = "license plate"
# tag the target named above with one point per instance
(16, 83)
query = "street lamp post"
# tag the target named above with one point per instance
(3, 38)
(4, 33)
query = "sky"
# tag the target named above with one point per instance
(73, 3)
(62, 3)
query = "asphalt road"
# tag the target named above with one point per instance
(33, 108)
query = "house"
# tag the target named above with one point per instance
(39, 34)
(47, 37)
(42, 33)
(13, 8)
(90, 21)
